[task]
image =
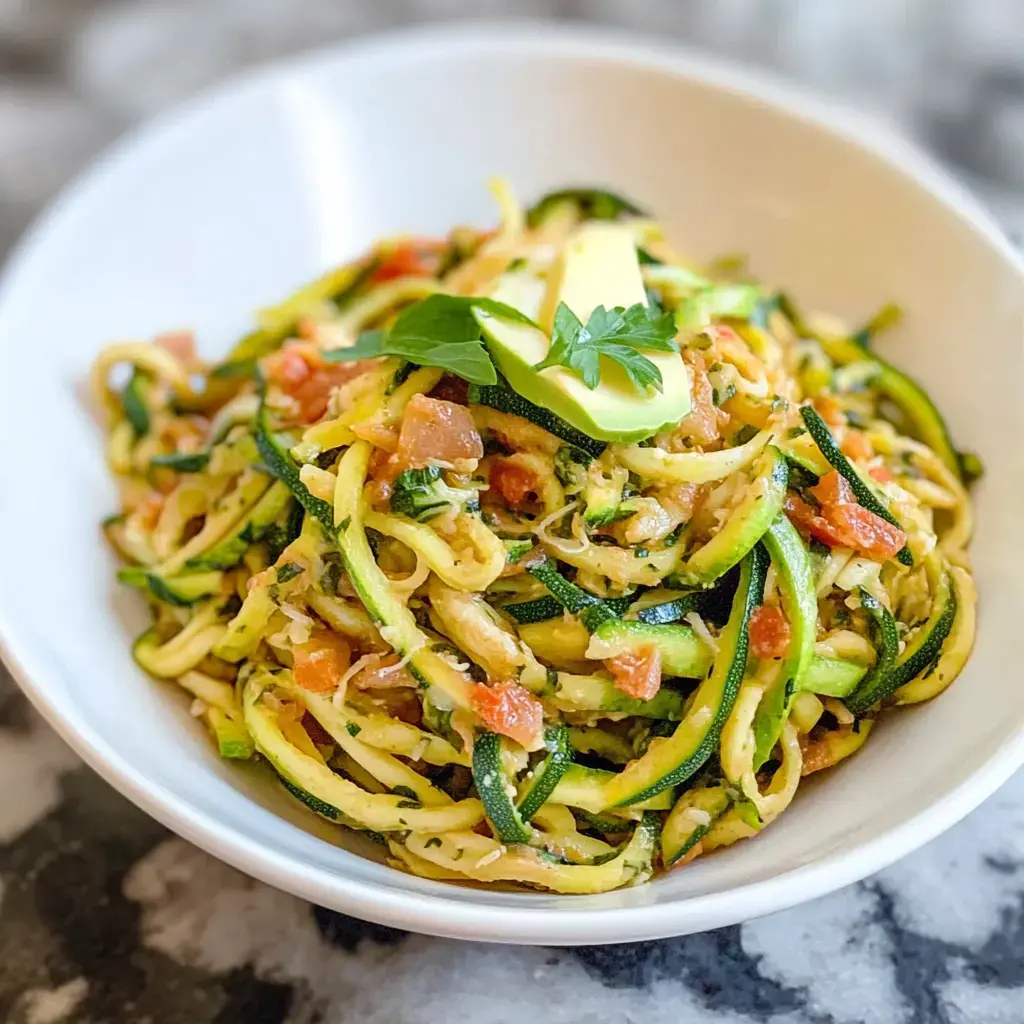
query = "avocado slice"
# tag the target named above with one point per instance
(598, 266)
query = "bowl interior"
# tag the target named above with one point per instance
(245, 195)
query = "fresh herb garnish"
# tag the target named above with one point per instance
(617, 334)
(440, 331)
(289, 571)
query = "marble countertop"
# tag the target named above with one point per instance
(107, 917)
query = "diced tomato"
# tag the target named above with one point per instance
(829, 410)
(637, 673)
(287, 368)
(317, 733)
(433, 429)
(386, 674)
(415, 257)
(841, 522)
(180, 344)
(868, 533)
(320, 662)
(721, 332)
(702, 422)
(511, 710)
(451, 389)
(300, 372)
(381, 435)
(833, 489)
(881, 474)
(515, 483)
(769, 632)
(856, 446)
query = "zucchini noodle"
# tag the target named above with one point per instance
(509, 650)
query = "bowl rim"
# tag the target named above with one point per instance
(436, 914)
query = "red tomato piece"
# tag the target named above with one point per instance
(300, 372)
(433, 429)
(515, 483)
(637, 673)
(320, 662)
(880, 473)
(415, 257)
(180, 344)
(868, 533)
(451, 389)
(829, 410)
(856, 446)
(769, 632)
(833, 489)
(510, 710)
(841, 522)
(385, 674)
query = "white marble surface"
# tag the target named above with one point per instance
(105, 917)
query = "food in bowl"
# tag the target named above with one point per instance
(539, 555)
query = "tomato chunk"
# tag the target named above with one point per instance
(386, 673)
(515, 483)
(637, 673)
(300, 372)
(856, 446)
(829, 410)
(833, 489)
(320, 662)
(769, 632)
(413, 257)
(880, 473)
(436, 430)
(841, 522)
(511, 710)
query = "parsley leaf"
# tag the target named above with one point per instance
(616, 334)
(440, 331)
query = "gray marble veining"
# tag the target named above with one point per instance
(106, 917)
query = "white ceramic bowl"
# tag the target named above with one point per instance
(249, 191)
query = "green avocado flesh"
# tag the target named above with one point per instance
(615, 410)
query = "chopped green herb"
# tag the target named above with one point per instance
(616, 334)
(796, 432)
(440, 331)
(353, 728)
(289, 571)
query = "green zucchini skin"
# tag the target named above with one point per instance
(283, 467)
(181, 591)
(492, 784)
(591, 610)
(747, 523)
(792, 563)
(548, 773)
(501, 397)
(591, 203)
(876, 685)
(917, 405)
(921, 652)
(182, 462)
(228, 553)
(826, 443)
(682, 652)
(681, 833)
(671, 761)
(134, 402)
(924, 649)
(543, 608)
